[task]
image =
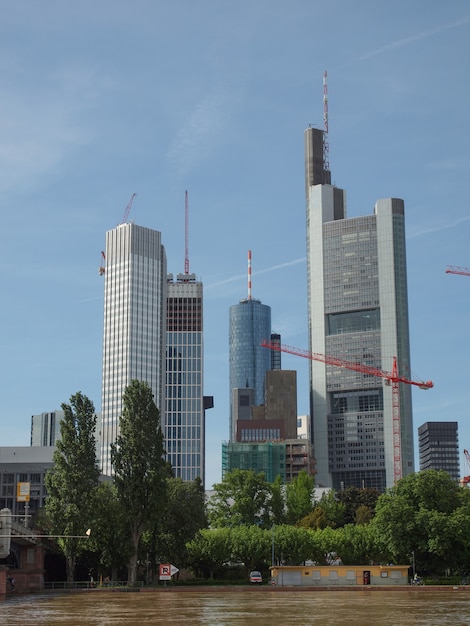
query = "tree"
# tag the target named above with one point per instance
(109, 539)
(183, 516)
(277, 503)
(423, 516)
(299, 497)
(241, 498)
(353, 498)
(138, 465)
(73, 480)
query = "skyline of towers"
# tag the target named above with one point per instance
(357, 310)
(134, 323)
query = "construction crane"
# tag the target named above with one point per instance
(454, 269)
(465, 480)
(102, 269)
(128, 208)
(391, 378)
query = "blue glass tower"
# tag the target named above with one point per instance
(250, 323)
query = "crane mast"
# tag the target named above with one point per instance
(392, 378)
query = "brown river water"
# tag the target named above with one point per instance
(235, 608)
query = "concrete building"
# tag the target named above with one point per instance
(134, 323)
(357, 311)
(184, 423)
(21, 465)
(438, 445)
(45, 428)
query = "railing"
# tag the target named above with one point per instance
(63, 585)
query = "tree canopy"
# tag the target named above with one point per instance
(139, 468)
(72, 482)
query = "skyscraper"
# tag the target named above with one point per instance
(184, 426)
(249, 324)
(439, 447)
(358, 311)
(134, 323)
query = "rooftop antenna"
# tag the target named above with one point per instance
(326, 145)
(186, 235)
(249, 274)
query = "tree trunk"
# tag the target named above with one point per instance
(70, 568)
(132, 565)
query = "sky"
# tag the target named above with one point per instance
(103, 99)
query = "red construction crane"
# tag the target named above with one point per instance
(466, 479)
(453, 269)
(128, 208)
(391, 378)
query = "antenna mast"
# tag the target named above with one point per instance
(249, 274)
(186, 236)
(326, 145)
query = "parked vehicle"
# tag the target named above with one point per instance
(255, 577)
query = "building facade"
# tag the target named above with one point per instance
(357, 311)
(184, 424)
(438, 445)
(134, 323)
(268, 457)
(249, 325)
(45, 428)
(24, 465)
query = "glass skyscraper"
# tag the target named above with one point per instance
(184, 415)
(249, 324)
(134, 323)
(357, 311)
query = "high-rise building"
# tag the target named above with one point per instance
(134, 323)
(249, 325)
(357, 311)
(45, 428)
(184, 425)
(438, 444)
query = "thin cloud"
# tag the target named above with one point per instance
(436, 229)
(237, 277)
(411, 39)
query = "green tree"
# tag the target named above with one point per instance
(209, 550)
(299, 497)
(353, 498)
(184, 515)
(138, 465)
(333, 508)
(425, 515)
(109, 539)
(277, 502)
(73, 480)
(242, 497)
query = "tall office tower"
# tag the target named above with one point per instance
(438, 444)
(134, 323)
(357, 311)
(184, 426)
(45, 428)
(249, 324)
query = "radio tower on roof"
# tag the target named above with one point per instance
(186, 236)
(326, 145)
(249, 274)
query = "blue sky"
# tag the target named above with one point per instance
(101, 99)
